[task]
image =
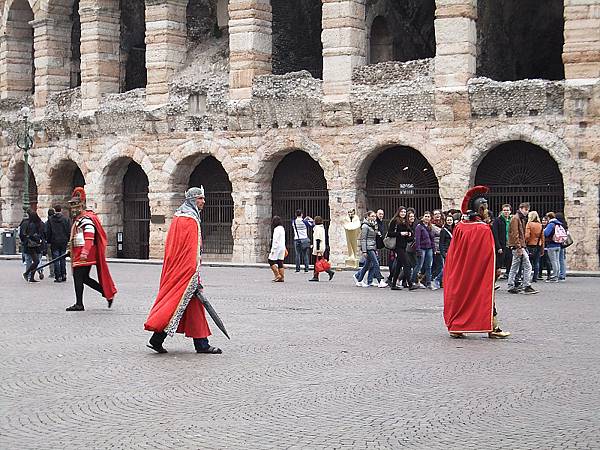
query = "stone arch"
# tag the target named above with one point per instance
(518, 171)
(64, 175)
(113, 165)
(12, 189)
(16, 51)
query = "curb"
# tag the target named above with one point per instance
(158, 262)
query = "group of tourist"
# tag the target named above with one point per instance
(417, 247)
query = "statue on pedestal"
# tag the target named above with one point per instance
(352, 227)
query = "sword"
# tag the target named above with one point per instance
(211, 312)
(52, 261)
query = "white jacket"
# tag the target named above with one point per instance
(278, 244)
(318, 233)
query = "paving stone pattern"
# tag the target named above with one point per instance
(310, 365)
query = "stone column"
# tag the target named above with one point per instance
(100, 50)
(251, 226)
(16, 57)
(250, 45)
(581, 51)
(455, 56)
(166, 34)
(52, 44)
(344, 48)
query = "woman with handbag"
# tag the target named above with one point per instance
(402, 233)
(278, 250)
(32, 237)
(534, 238)
(319, 247)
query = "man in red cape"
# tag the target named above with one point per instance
(177, 308)
(88, 248)
(469, 273)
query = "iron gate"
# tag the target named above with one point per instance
(217, 217)
(136, 213)
(517, 172)
(313, 203)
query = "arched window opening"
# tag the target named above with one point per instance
(520, 39)
(401, 176)
(381, 46)
(401, 31)
(75, 80)
(217, 215)
(17, 69)
(136, 213)
(133, 44)
(517, 172)
(297, 37)
(299, 183)
(64, 177)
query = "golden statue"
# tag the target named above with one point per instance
(352, 227)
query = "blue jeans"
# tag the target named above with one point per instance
(440, 276)
(562, 264)
(60, 267)
(372, 266)
(301, 255)
(554, 256)
(424, 260)
(28, 261)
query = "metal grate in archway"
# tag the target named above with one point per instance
(136, 213)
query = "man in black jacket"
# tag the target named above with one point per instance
(500, 231)
(58, 231)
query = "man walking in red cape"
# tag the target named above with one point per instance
(469, 273)
(177, 308)
(88, 248)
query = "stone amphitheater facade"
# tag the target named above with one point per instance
(231, 81)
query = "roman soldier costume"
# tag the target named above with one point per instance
(87, 246)
(178, 308)
(469, 273)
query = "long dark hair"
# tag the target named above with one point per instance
(275, 222)
(399, 220)
(561, 218)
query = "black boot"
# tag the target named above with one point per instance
(331, 273)
(75, 307)
(156, 342)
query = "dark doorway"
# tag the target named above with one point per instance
(201, 16)
(136, 213)
(297, 37)
(517, 172)
(401, 176)
(217, 215)
(75, 46)
(133, 44)
(78, 179)
(401, 30)
(299, 183)
(520, 39)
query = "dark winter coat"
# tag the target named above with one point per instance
(423, 237)
(445, 239)
(396, 229)
(58, 230)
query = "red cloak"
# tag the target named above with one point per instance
(176, 307)
(469, 275)
(108, 286)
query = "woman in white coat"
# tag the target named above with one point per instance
(278, 250)
(319, 247)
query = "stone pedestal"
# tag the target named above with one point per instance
(52, 44)
(581, 51)
(165, 46)
(250, 45)
(100, 50)
(344, 48)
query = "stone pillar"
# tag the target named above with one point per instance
(52, 44)
(166, 34)
(250, 45)
(456, 42)
(251, 227)
(344, 48)
(100, 50)
(16, 56)
(581, 51)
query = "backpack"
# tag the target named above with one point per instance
(560, 234)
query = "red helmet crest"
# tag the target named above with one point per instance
(78, 195)
(472, 194)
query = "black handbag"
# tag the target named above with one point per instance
(33, 241)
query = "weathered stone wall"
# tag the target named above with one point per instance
(391, 91)
(515, 98)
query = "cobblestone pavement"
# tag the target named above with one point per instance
(309, 366)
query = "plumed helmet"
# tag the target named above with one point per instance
(474, 198)
(194, 192)
(78, 197)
